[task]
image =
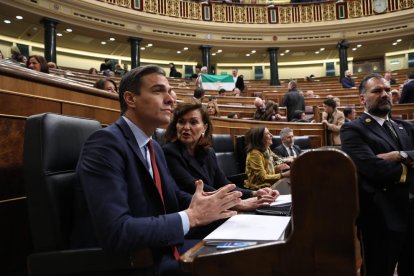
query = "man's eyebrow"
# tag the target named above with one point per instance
(160, 86)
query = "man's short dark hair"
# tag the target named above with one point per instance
(199, 93)
(330, 102)
(410, 75)
(347, 111)
(132, 81)
(362, 85)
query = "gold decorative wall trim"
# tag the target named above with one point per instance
(259, 13)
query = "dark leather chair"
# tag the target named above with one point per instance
(52, 146)
(159, 136)
(227, 159)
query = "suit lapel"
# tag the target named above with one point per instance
(193, 164)
(402, 134)
(132, 142)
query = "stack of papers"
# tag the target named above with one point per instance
(250, 228)
(282, 200)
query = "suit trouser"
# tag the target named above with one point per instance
(382, 249)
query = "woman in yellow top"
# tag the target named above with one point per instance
(263, 167)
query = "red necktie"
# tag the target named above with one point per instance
(157, 180)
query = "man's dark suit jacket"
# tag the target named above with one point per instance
(118, 205)
(282, 152)
(186, 169)
(293, 101)
(407, 93)
(347, 82)
(381, 195)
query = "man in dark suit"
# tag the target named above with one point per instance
(288, 150)
(293, 100)
(347, 81)
(407, 93)
(127, 199)
(383, 152)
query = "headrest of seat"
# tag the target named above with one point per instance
(222, 143)
(303, 142)
(55, 141)
(159, 135)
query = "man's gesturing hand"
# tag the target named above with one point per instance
(208, 207)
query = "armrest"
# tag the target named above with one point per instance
(237, 179)
(85, 260)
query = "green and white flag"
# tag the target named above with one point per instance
(217, 82)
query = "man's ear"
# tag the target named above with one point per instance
(129, 98)
(362, 99)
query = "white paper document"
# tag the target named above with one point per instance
(282, 199)
(250, 228)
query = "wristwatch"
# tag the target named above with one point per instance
(404, 156)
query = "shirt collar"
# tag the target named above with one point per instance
(379, 120)
(141, 138)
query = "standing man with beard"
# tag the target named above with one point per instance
(383, 152)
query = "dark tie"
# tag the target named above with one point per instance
(291, 151)
(157, 180)
(391, 132)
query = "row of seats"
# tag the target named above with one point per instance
(231, 155)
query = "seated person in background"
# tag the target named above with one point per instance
(52, 65)
(107, 65)
(395, 94)
(232, 115)
(213, 109)
(190, 157)
(287, 149)
(263, 167)
(108, 73)
(236, 92)
(338, 101)
(15, 54)
(93, 71)
(127, 200)
(221, 92)
(38, 63)
(310, 94)
(198, 95)
(333, 119)
(107, 85)
(347, 81)
(119, 71)
(299, 116)
(389, 79)
(267, 111)
(23, 60)
(349, 114)
(310, 78)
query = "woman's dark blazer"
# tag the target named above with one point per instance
(186, 169)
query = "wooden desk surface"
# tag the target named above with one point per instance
(322, 241)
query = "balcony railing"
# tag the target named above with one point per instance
(260, 13)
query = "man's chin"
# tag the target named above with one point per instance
(380, 112)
